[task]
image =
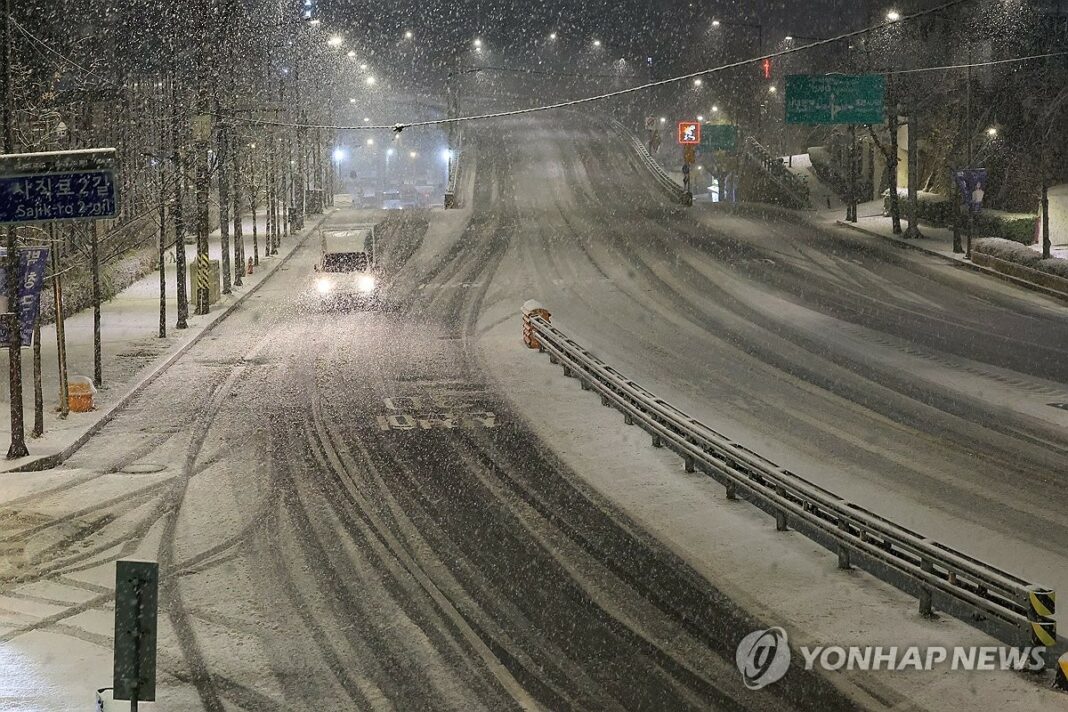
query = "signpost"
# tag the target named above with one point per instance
(650, 123)
(689, 133)
(719, 137)
(971, 182)
(33, 262)
(59, 185)
(835, 99)
(136, 597)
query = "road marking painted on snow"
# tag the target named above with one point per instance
(434, 411)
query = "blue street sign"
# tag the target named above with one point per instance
(58, 186)
(33, 261)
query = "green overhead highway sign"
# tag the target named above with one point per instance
(835, 99)
(719, 137)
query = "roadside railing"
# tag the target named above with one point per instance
(677, 192)
(794, 188)
(1012, 609)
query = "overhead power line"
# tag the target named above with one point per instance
(41, 43)
(973, 65)
(400, 126)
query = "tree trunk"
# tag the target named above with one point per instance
(224, 205)
(913, 230)
(891, 169)
(178, 215)
(239, 233)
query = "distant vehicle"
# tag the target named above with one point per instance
(391, 200)
(346, 274)
(368, 198)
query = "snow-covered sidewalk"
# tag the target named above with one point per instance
(132, 352)
(935, 240)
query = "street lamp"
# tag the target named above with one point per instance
(552, 35)
(893, 15)
(370, 142)
(992, 131)
(477, 43)
(370, 80)
(352, 53)
(412, 154)
(408, 35)
(597, 43)
(697, 82)
(336, 41)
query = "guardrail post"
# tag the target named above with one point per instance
(780, 515)
(926, 609)
(657, 442)
(604, 401)
(567, 372)
(843, 550)
(585, 385)
(1041, 605)
(689, 463)
(532, 308)
(628, 419)
(732, 491)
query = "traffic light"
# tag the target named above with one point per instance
(766, 66)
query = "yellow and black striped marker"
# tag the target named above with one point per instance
(1061, 680)
(1040, 609)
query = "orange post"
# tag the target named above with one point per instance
(531, 309)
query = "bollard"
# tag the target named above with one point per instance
(531, 308)
(248, 269)
(1041, 606)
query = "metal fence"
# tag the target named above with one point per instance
(676, 191)
(1012, 609)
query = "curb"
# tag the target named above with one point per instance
(961, 263)
(46, 462)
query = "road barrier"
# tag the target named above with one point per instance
(793, 188)
(1006, 606)
(676, 191)
(454, 172)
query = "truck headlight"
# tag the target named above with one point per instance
(324, 285)
(366, 283)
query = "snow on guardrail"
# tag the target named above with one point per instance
(676, 191)
(1012, 609)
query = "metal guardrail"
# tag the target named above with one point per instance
(676, 191)
(794, 188)
(1015, 611)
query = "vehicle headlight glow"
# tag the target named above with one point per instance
(324, 285)
(366, 283)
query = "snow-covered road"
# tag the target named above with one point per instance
(352, 511)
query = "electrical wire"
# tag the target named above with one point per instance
(33, 38)
(400, 126)
(977, 64)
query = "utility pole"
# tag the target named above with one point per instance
(1045, 219)
(14, 335)
(61, 337)
(851, 208)
(94, 246)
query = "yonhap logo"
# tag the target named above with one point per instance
(763, 657)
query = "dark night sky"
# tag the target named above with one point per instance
(631, 28)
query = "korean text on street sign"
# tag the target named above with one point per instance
(689, 133)
(835, 99)
(719, 137)
(971, 182)
(33, 262)
(60, 185)
(136, 596)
